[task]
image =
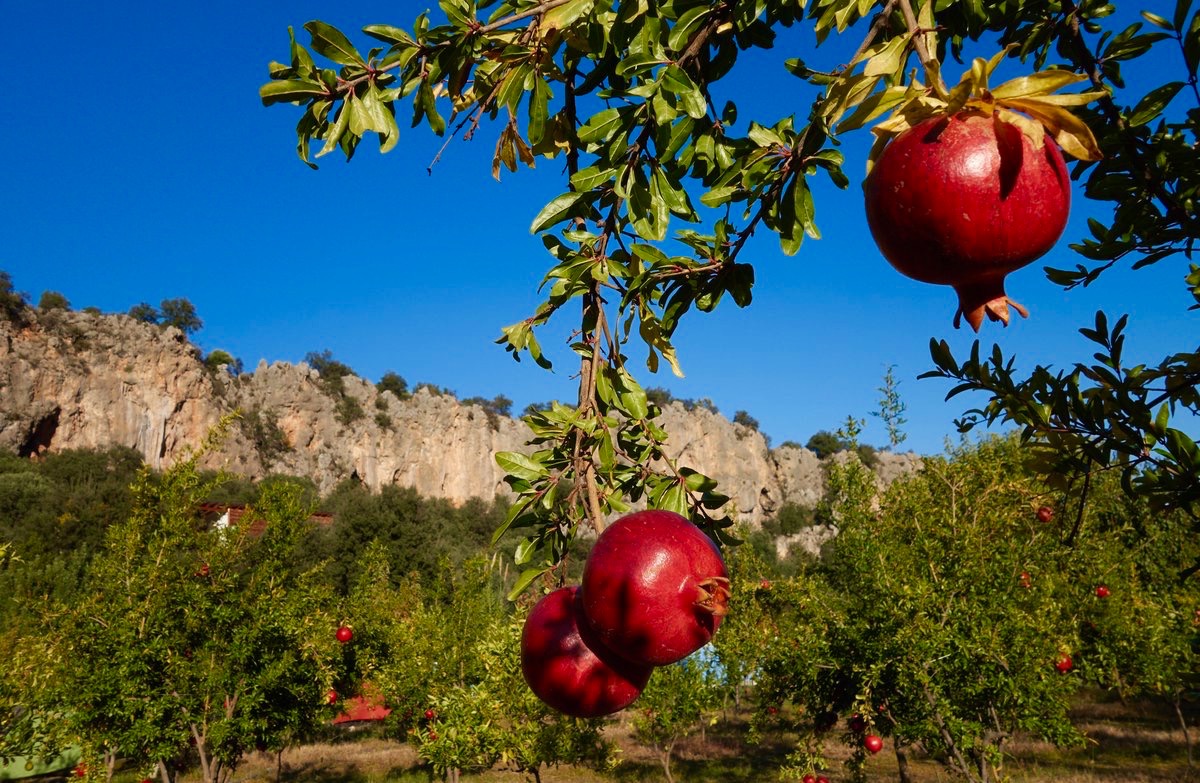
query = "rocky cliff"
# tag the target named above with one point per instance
(77, 380)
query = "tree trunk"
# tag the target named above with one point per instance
(902, 765)
(665, 756)
(1187, 735)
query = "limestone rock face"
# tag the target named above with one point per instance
(83, 380)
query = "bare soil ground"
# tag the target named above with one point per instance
(1137, 743)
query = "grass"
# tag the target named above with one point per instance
(1135, 743)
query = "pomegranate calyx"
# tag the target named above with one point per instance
(995, 310)
(714, 596)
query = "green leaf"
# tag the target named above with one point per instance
(686, 26)
(1157, 21)
(429, 107)
(805, 211)
(591, 177)
(389, 34)
(677, 80)
(516, 464)
(554, 212)
(720, 195)
(290, 91)
(539, 100)
(1153, 103)
(334, 135)
(330, 42)
(601, 126)
(524, 580)
(674, 499)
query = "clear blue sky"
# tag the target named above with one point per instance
(138, 165)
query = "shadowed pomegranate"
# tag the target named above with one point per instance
(568, 667)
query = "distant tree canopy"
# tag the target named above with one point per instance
(179, 313)
(824, 443)
(494, 408)
(145, 312)
(746, 420)
(218, 358)
(53, 300)
(417, 532)
(393, 382)
(663, 397)
(12, 302)
(331, 370)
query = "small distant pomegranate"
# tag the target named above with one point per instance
(344, 634)
(1045, 514)
(873, 743)
(1064, 663)
(1102, 591)
(963, 200)
(568, 667)
(654, 587)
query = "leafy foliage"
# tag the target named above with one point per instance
(218, 358)
(181, 314)
(12, 302)
(940, 616)
(53, 300)
(624, 94)
(394, 383)
(185, 636)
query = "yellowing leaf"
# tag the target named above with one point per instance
(1071, 133)
(1033, 130)
(889, 58)
(1037, 84)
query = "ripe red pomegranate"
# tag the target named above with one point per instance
(856, 723)
(568, 667)
(964, 200)
(1045, 514)
(654, 587)
(872, 743)
(1102, 591)
(1064, 664)
(1026, 580)
(344, 634)
(332, 697)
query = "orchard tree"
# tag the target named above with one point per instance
(190, 644)
(950, 617)
(928, 626)
(679, 699)
(446, 659)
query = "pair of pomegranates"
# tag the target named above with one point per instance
(654, 590)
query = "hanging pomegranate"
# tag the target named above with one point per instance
(654, 587)
(963, 200)
(568, 668)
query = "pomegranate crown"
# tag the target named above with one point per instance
(1032, 103)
